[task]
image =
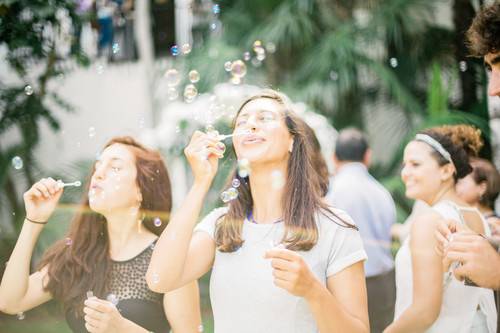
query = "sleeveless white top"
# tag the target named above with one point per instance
(460, 302)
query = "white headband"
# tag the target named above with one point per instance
(434, 144)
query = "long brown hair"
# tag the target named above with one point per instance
(301, 200)
(85, 264)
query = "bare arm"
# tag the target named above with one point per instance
(192, 256)
(427, 278)
(18, 290)
(342, 305)
(182, 307)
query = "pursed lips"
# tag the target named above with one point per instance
(251, 139)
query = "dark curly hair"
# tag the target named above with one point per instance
(483, 36)
(461, 141)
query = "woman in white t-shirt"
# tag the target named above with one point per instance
(281, 259)
(428, 296)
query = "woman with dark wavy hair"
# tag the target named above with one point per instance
(281, 259)
(98, 271)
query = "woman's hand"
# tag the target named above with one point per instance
(203, 153)
(41, 199)
(290, 272)
(102, 316)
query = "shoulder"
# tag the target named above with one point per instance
(216, 214)
(424, 225)
(335, 221)
(208, 223)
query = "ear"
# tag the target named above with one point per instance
(483, 187)
(447, 171)
(290, 147)
(139, 196)
(367, 159)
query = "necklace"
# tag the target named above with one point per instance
(251, 219)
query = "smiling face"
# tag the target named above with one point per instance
(265, 137)
(421, 173)
(113, 185)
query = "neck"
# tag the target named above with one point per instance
(445, 193)
(123, 227)
(267, 196)
(484, 209)
(339, 165)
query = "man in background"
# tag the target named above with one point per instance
(371, 206)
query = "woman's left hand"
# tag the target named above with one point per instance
(102, 316)
(291, 272)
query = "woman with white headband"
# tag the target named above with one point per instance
(429, 298)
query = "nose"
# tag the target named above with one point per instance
(404, 173)
(252, 123)
(99, 172)
(494, 84)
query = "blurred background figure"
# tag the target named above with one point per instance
(372, 209)
(480, 189)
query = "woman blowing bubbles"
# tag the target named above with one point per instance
(106, 253)
(313, 281)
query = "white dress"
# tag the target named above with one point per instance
(464, 308)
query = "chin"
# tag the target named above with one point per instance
(412, 194)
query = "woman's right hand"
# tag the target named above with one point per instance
(41, 199)
(203, 153)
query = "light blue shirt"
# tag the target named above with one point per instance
(371, 207)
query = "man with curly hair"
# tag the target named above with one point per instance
(483, 39)
(479, 256)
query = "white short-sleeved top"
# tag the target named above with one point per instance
(243, 296)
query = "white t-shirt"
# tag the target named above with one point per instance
(243, 296)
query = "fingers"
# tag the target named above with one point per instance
(282, 284)
(457, 246)
(458, 256)
(92, 321)
(442, 242)
(98, 305)
(44, 188)
(461, 272)
(281, 264)
(283, 275)
(92, 313)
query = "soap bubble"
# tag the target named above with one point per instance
(157, 222)
(236, 183)
(68, 241)
(238, 69)
(20, 316)
(243, 168)
(190, 93)
(216, 9)
(186, 48)
(172, 76)
(393, 62)
(194, 76)
(28, 90)
(227, 66)
(91, 132)
(17, 163)
(172, 93)
(174, 50)
(463, 66)
(115, 48)
(246, 56)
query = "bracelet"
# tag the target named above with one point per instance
(36, 222)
